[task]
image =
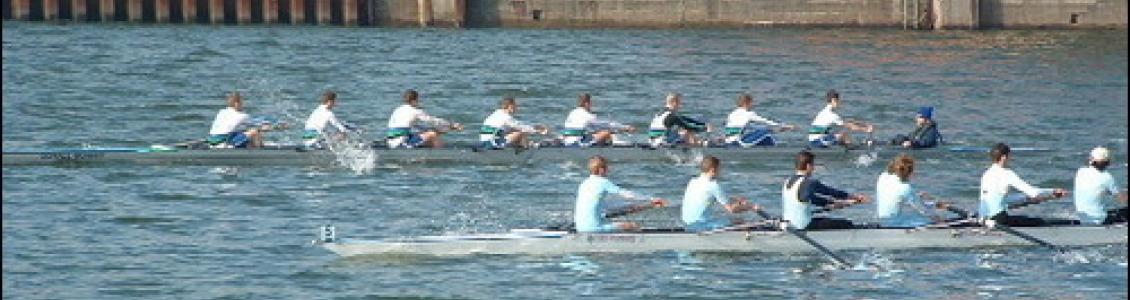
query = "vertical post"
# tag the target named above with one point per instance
(297, 11)
(133, 10)
(161, 11)
(106, 10)
(460, 18)
(425, 8)
(78, 10)
(50, 10)
(349, 12)
(215, 11)
(270, 11)
(323, 11)
(21, 9)
(242, 11)
(188, 11)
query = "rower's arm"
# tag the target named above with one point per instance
(1024, 187)
(337, 123)
(754, 117)
(432, 121)
(684, 122)
(927, 139)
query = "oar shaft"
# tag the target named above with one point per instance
(840, 262)
(1027, 237)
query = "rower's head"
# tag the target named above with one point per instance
(1100, 158)
(598, 165)
(833, 98)
(235, 101)
(805, 162)
(585, 101)
(329, 99)
(674, 100)
(412, 98)
(711, 166)
(902, 166)
(509, 104)
(1000, 153)
(925, 114)
(745, 101)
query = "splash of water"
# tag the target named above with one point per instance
(866, 159)
(353, 154)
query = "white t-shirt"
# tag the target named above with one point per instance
(321, 117)
(741, 117)
(228, 120)
(501, 119)
(994, 186)
(1090, 185)
(406, 115)
(697, 198)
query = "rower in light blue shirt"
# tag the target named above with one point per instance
(893, 190)
(703, 190)
(590, 195)
(1092, 184)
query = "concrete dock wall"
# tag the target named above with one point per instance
(909, 14)
(686, 13)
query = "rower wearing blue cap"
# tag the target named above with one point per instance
(925, 134)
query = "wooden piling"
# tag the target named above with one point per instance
(106, 10)
(349, 12)
(188, 11)
(215, 11)
(133, 10)
(323, 13)
(297, 11)
(242, 11)
(21, 9)
(270, 11)
(161, 11)
(78, 10)
(425, 9)
(50, 10)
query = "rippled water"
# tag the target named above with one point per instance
(227, 233)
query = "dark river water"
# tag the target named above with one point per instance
(244, 233)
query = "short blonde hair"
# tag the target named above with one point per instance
(597, 162)
(902, 166)
(673, 97)
(710, 163)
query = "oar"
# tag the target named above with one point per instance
(618, 212)
(840, 262)
(1009, 230)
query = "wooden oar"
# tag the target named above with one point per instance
(840, 262)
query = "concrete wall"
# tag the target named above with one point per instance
(1053, 13)
(914, 14)
(685, 13)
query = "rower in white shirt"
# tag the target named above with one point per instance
(500, 129)
(410, 127)
(702, 191)
(584, 129)
(826, 127)
(233, 128)
(590, 202)
(1092, 184)
(314, 133)
(893, 191)
(742, 126)
(995, 184)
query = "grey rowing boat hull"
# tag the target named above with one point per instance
(294, 156)
(556, 243)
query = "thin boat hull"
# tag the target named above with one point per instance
(295, 156)
(556, 243)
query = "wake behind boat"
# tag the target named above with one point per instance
(770, 240)
(298, 155)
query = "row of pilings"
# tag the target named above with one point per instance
(322, 12)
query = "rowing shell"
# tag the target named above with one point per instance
(299, 156)
(539, 242)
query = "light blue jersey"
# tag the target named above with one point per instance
(890, 193)
(700, 191)
(590, 196)
(1090, 185)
